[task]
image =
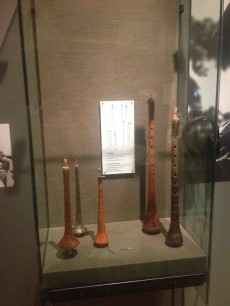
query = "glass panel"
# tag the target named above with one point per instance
(34, 94)
(199, 130)
(222, 165)
(93, 51)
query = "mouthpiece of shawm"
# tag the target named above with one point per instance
(65, 166)
(100, 175)
(175, 115)
(152, 96)
(151, 100)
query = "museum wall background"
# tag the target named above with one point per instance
(91, 51)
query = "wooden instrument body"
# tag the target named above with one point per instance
(101, 238)
(174, 237)
(151, 223)
(68, 241)
(79, 229)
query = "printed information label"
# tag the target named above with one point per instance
(117, 137)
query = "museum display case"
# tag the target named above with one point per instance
(123, 139)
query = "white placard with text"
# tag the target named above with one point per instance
(117, 137)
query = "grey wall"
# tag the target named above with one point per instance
(18, 256)
(7, 9)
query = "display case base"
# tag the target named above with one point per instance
(133, 261)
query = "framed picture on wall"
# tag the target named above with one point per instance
(6, 162)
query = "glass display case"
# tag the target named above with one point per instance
(109, 89)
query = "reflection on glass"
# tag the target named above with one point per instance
(199, 130)
(223, 159)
